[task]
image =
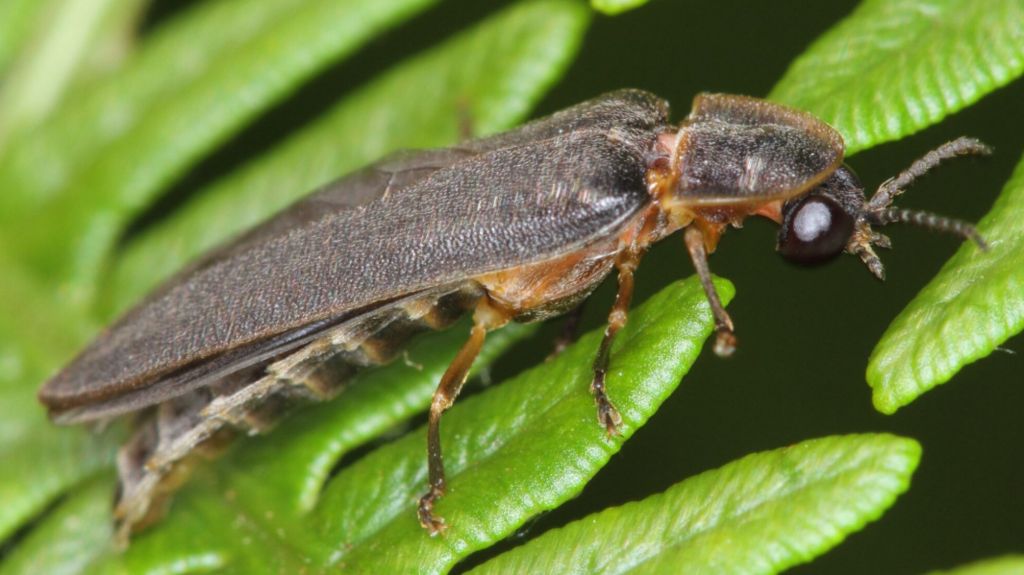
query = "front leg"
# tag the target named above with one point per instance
(607, 415)
(725, 340)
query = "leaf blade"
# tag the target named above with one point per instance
(69, 537)
(1006, 565)
(892, 68)
(41, 460)
(760, 514)
(616, 7)
(47, 65)
(16, 19)
(193, 84)
(973, 304)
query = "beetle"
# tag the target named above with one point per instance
(519, 226)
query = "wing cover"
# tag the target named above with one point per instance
(409, 223)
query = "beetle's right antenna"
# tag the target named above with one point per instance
(930, 221)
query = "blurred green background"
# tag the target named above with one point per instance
(805, 334)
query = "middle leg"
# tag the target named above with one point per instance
(607, 415)
(485, 318)
(725, 340)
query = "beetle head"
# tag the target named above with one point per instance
(835, 216)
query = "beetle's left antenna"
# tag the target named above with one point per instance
(893, 187)
(879, 212)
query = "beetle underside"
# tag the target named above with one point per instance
(157, 458)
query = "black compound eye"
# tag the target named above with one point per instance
(815, 229)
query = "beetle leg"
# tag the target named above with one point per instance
(486, 317)
(725, 342)
(607, 415)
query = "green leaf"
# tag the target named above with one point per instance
(615, 7)
(761, 514)
(44, 461)
(49, 61)
(40, 459)
(894, 67)
(1008, 565)
(975, 303)
(69, 537)
(496, 73)
(110, 151)
(34, 334)
(16, 23)
(115, 42)
(513, 451)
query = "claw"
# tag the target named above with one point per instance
(861, 244)
(607, 416)
(725, 342)
(425, 512)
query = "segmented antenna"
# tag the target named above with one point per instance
(962, 146)
(929, 221)
(878, 210)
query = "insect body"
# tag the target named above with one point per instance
(518, 226)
